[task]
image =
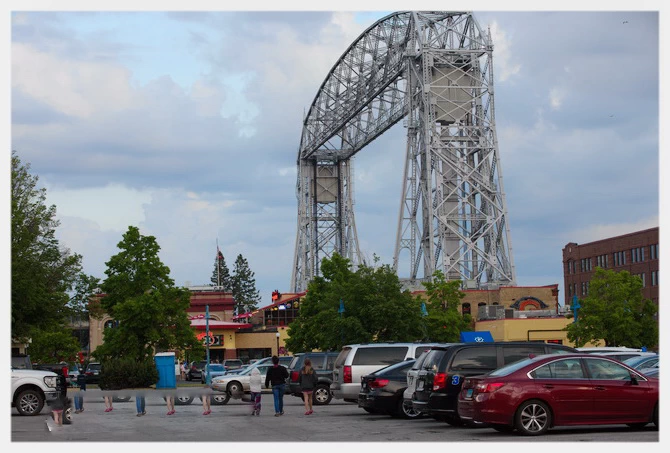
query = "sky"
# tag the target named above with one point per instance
(187, 124)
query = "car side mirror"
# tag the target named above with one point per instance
(633, 379)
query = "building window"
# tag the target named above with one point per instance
(644, 280)
(653, 252)
(654, 278)
(465, 309)
(642, 254)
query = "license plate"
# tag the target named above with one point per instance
(419, 386)
(468, 393)
(409, 380)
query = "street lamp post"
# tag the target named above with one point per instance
(277, 344)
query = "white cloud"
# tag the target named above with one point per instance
(602, 231)
(504, 62)
(556, 96)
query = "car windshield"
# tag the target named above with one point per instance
(633, 362)
(94, 366)
(511, 368)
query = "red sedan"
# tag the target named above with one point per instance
(532, 395)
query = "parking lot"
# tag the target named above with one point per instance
(336, 422)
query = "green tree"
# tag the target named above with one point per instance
(243, 286)
(150, 311)
(221, 274)
(444, 322)
(375, 308)
(42, 271)
(614, 311)
(53, 346)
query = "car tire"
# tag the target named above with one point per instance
(532, 418)
(322, 395)
(405, 410)
(219, 399)
(67, 416)
(29, 402)
(234, 388)
(121, 399)
(183, 400)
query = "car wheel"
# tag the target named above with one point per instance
(220, 399)
(67, 416)
(532, 418)
(502, 428)
(29, 402)
(234, 388)
(183, 400)
(406, 410)
(121, 399)
(322, 395)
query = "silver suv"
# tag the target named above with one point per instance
(357, 360)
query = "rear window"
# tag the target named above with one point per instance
(342, 357)
(294, 362)
(433, 358)
(330, 361)
(419, 362)
(475, 359)
(380, 355)
(517, 352)
(94, 366)
(420, 350)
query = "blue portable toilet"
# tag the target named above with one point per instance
(165, 365)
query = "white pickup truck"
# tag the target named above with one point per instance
(32, 388)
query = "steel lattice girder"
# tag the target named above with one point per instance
(435, 69)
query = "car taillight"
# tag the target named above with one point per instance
(65, 370)
(346, 374)
(378, 383)
(439, 381)
(488, 388)
(88, 373)
(295, 375)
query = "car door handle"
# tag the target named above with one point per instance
(548, 386)
(599, 388)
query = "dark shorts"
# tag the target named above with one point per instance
(307, 392)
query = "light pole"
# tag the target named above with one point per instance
(277, 343)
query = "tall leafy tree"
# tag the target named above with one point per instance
(614, 311)
(53, 346)
(140, 295)
(43, 272)
(243, 286)
(221, 274)
(375, 308)
(444, 322)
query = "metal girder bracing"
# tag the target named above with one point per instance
(435, 70)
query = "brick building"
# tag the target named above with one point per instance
(636, 253)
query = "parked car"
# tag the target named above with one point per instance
(441, 376)
(72, 374)
(651, 372)
(642, 362)
(232, 364)
(535, 394)
(323, 363)
(194, 372)
(356, 360)
(601, 349)
(283, 360)
(412, 374)
(382, 391)
(623, 356)
(214, 370)
(236, 385)
(93, 372)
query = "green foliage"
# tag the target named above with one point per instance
(42, 271)
(53, 346)
(126, 372)
(444, 322)
(376, 309)
(221, 274)
(84, 286)
(244, 286)
(141, 297)
(615, 312)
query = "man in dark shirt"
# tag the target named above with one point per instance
(276, 376)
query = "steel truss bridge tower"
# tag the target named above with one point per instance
(434, 70)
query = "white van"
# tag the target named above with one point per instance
(357, 360)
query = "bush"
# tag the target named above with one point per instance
(123, 373)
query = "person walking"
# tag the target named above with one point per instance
(140, 404)
(206, 401)
(255, 382)
(276, 376)
(307, 380)
(79, 396)
(184, 370)
(108, 403)
(169, 399)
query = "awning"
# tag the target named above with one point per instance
(477, 337)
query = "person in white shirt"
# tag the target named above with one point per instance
(255, 382)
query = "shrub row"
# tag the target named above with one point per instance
(124, 372)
